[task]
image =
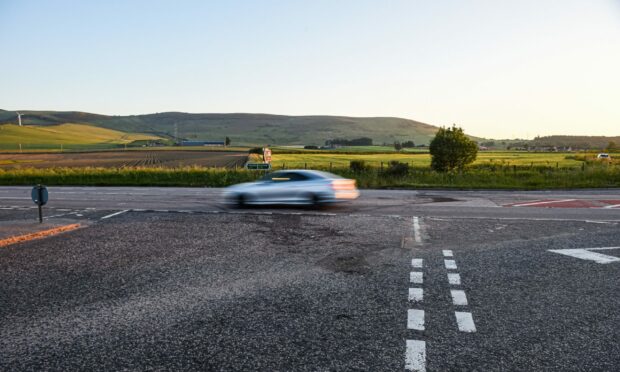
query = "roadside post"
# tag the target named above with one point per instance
(39, 197)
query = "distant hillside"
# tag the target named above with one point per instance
(66, 134)
(244, 128)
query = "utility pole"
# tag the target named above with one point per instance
(176, 134)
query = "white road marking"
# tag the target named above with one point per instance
(416, 277)
(114, 214)
(454, 278)
(417, 262)
(458, 297)
(447, 253)
(416, 294)
(611, 206)
(415, 356)
(465, 321)
(543, 202)
(586, 254)
(415, 319)
(416, 230)
(450, 264)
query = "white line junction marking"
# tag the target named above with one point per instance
(415, 319)
(587, 254)
(465, 321)
(450, 264)
(416, 294)
(415, 357)
(416, 277)
(458, 297)
(416, 230)
(454, 278)
(417, 262)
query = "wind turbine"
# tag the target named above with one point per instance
(19, 118)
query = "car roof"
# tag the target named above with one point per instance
(311, 173)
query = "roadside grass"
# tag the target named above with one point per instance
(476, 177)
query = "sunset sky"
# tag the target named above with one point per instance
(499, 69)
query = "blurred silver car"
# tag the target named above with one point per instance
(304, 187)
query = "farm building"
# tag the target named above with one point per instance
(202, 143)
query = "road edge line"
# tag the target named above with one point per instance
(38, 235)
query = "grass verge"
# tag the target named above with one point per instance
(477, 177)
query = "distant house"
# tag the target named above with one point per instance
(203, 143)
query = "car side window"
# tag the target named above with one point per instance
(297, 177)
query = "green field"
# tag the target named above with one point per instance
(324, 161)
(11, 136)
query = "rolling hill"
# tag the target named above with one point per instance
(243, 128)
(65, 134)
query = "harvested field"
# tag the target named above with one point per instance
(122, 159)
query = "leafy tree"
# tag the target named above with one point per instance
(398, 146)
(451, 149)
(227, 141)
(612, 147)
(408, 144)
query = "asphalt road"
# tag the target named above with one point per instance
(179, 282)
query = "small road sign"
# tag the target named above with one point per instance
(258, 166)
(39, 197)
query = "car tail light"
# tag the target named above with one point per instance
(339, 185)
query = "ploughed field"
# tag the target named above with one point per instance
(121, 159)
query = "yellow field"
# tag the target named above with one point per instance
(423, 160)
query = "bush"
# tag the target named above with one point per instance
(451, 149)
(256, 150)
(397, 169)
(358, 166)
(311, 147)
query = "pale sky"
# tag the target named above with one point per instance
(498, 69)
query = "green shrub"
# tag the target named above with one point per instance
(397, 169)
(358, 166)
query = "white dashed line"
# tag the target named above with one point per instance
(416, 230)
(450, 264)
(417, 262)
(465, 321)
(416, 277)
(415, 357)
(458, 297)
(447, 253)
(454, 278)
(114, 214)
(416, 294)
(415, 319)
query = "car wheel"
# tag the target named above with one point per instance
(241, 200)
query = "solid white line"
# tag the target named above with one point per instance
(465, 321)
(415, 319)
(416, 277)
(447, 253)
(416, 294)
(458, 297)
(585, 254)
(454, 278)
(543, 202)
(417, 262)
(416, 230)
(450, 264)
(415, 356)
(114, 214)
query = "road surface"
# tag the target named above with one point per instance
(170, 279)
